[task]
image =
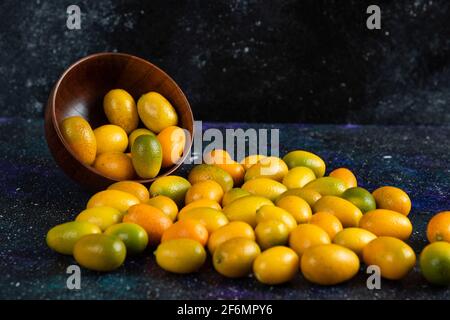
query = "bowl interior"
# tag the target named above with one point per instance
(81, 89)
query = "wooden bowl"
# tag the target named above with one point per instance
(80, 91)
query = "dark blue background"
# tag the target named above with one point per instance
(244, 60)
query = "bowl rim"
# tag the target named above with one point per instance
(55, 89)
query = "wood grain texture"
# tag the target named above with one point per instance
(80, 91)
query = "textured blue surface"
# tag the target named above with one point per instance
(35, 195)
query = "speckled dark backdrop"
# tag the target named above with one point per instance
(271, 61)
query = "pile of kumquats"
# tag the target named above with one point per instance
(266, 216)
(159, 144)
